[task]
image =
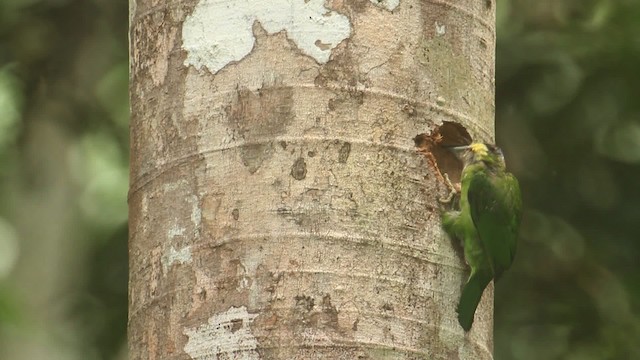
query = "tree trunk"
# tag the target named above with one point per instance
(278, 206)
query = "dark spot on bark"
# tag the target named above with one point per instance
(235, 213)
(355, 325)
(328, 307)
(387, 307)
(299, 169)
(342, 72)
(311, 153)
(236, 324)
(253, 155)
(256, 115)
(329, 314)
(343, 153)
(358, 6)
(283, 144)
(483, 43)
(331, 104)
(322, 46)
(304, 302)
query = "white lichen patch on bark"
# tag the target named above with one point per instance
(196, 212)
(387, 4)
(225, 336)
(250, 263)
(173, 256)
(174, 231)
(220, 32)
(441, 29)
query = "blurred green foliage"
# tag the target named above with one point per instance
(567, 117)
(64, 116)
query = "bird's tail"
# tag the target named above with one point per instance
(471, 295)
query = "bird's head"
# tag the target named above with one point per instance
(490, 154)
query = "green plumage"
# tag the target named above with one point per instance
(487, 222)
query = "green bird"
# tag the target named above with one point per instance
(487, 222)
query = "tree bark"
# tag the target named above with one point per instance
(278, 206)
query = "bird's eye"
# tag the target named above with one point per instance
(494, 149)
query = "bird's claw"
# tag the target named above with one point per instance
(452, 193)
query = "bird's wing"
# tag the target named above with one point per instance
(495, 204)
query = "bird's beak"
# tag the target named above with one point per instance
(457, 150)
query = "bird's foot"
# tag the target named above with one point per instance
(452, 191)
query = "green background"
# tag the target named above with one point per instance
(568, 119)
